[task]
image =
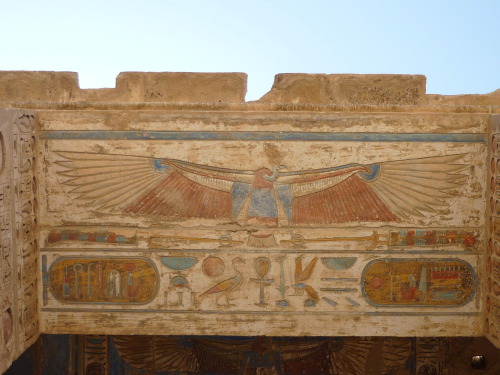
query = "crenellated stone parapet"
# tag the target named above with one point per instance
(43, 89)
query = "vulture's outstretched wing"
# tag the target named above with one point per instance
(109, 181)
(386, 191)
(411, 187)
(148, 186)
(158, 353)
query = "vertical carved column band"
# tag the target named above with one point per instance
(18, 247)
(25, 224)
(7, 253)
(492, 322)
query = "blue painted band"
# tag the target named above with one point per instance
(263, 136)
(255, 312)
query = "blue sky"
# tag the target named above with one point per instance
(456, 44)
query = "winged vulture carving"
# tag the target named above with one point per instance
(389, 191)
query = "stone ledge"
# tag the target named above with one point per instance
(347, 89)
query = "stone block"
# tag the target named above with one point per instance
(490, 99)
(377, 89)
(182, 87)
(21, 86)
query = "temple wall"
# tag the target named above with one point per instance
(337, 205)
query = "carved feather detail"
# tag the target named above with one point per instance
(412, 187)
(110, 181)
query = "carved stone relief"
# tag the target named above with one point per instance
(289, 226)
(19, 313)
